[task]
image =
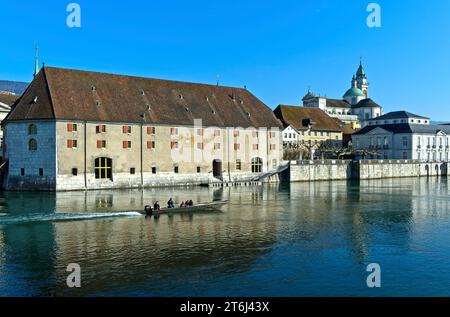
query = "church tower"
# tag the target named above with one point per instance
(362, 82)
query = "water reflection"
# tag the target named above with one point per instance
(270, 240)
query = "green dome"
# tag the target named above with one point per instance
(354, 92)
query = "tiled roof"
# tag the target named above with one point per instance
(8, 99)
(407, 128)
(398, 115)
(337, 103)
(367, 103)
(295, 116)
(64, 94)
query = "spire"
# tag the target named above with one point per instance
(36, 62)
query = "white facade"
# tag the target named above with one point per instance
(408, 137)
(290, 135)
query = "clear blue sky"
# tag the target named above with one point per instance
(276, 48)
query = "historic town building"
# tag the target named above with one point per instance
(7, 99)
(74, 130)
(307, 126)
(354, 108)
(403, 135)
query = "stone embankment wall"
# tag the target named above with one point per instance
(304, 171)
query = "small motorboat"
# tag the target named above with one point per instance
(199, 207)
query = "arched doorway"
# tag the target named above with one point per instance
(257, 165)
(217, 169)
(103, 168)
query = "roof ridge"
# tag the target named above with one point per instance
(142, 77)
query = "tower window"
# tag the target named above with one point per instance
(22, 172)
(74, 171)
(41, 172)
(32, 129)
(32, 145)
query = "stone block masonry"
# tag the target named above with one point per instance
(306, 171)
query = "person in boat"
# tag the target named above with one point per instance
(148, 210)
(190, 203)
(157, 207)
(183, 205)
(170, 204)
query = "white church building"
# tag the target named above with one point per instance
(354, 108)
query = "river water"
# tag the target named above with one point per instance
(311, 239)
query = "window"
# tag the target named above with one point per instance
(200, 146)
(72, 144)
(238, 165)
(127, 144)
(199, 170)
(174, 131)
(101, 144)
(41, 172)
(405, 155)
(74, 171)
(103, 168)
(273, 147)
(216, 133)
(255, 134)
(151, 145)
(153, 169)
(126, 129)
(274, 164)
(32, 145)
(216, 146)
(174, 145)
(72, 127)
(405, 141)
(272, 135)
(255, 147)
(176, 169)
(132, 171)
(257, 165)
(151, 130)
(32, 129)
(236, 134)
(100, 129)
(22, 172)
(237, 146)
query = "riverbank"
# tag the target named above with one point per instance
(330, 170)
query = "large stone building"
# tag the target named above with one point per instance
(355, 108)
(307, 126)
(403, 135)
(76, 130)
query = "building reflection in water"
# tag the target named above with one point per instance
(274, 228)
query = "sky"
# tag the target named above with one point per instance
(276, 48)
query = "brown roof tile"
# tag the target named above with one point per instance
(69, 95)
(295, 116)
(8, 99)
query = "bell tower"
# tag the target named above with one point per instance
(361, 79)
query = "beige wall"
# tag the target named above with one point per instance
(188, 157)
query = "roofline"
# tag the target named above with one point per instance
(142, 77)
(129, 122)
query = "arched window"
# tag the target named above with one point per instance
(257, 165)
(32, 145)
(32, 129)
(103, 168)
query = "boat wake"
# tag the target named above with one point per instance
(63, 217)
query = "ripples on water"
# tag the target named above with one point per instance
(298, 240)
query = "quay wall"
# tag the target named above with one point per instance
(307, 171)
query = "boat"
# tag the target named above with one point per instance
(196, 208)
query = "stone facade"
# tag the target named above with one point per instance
(306, 171)
(37, 168)
(67, 156)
